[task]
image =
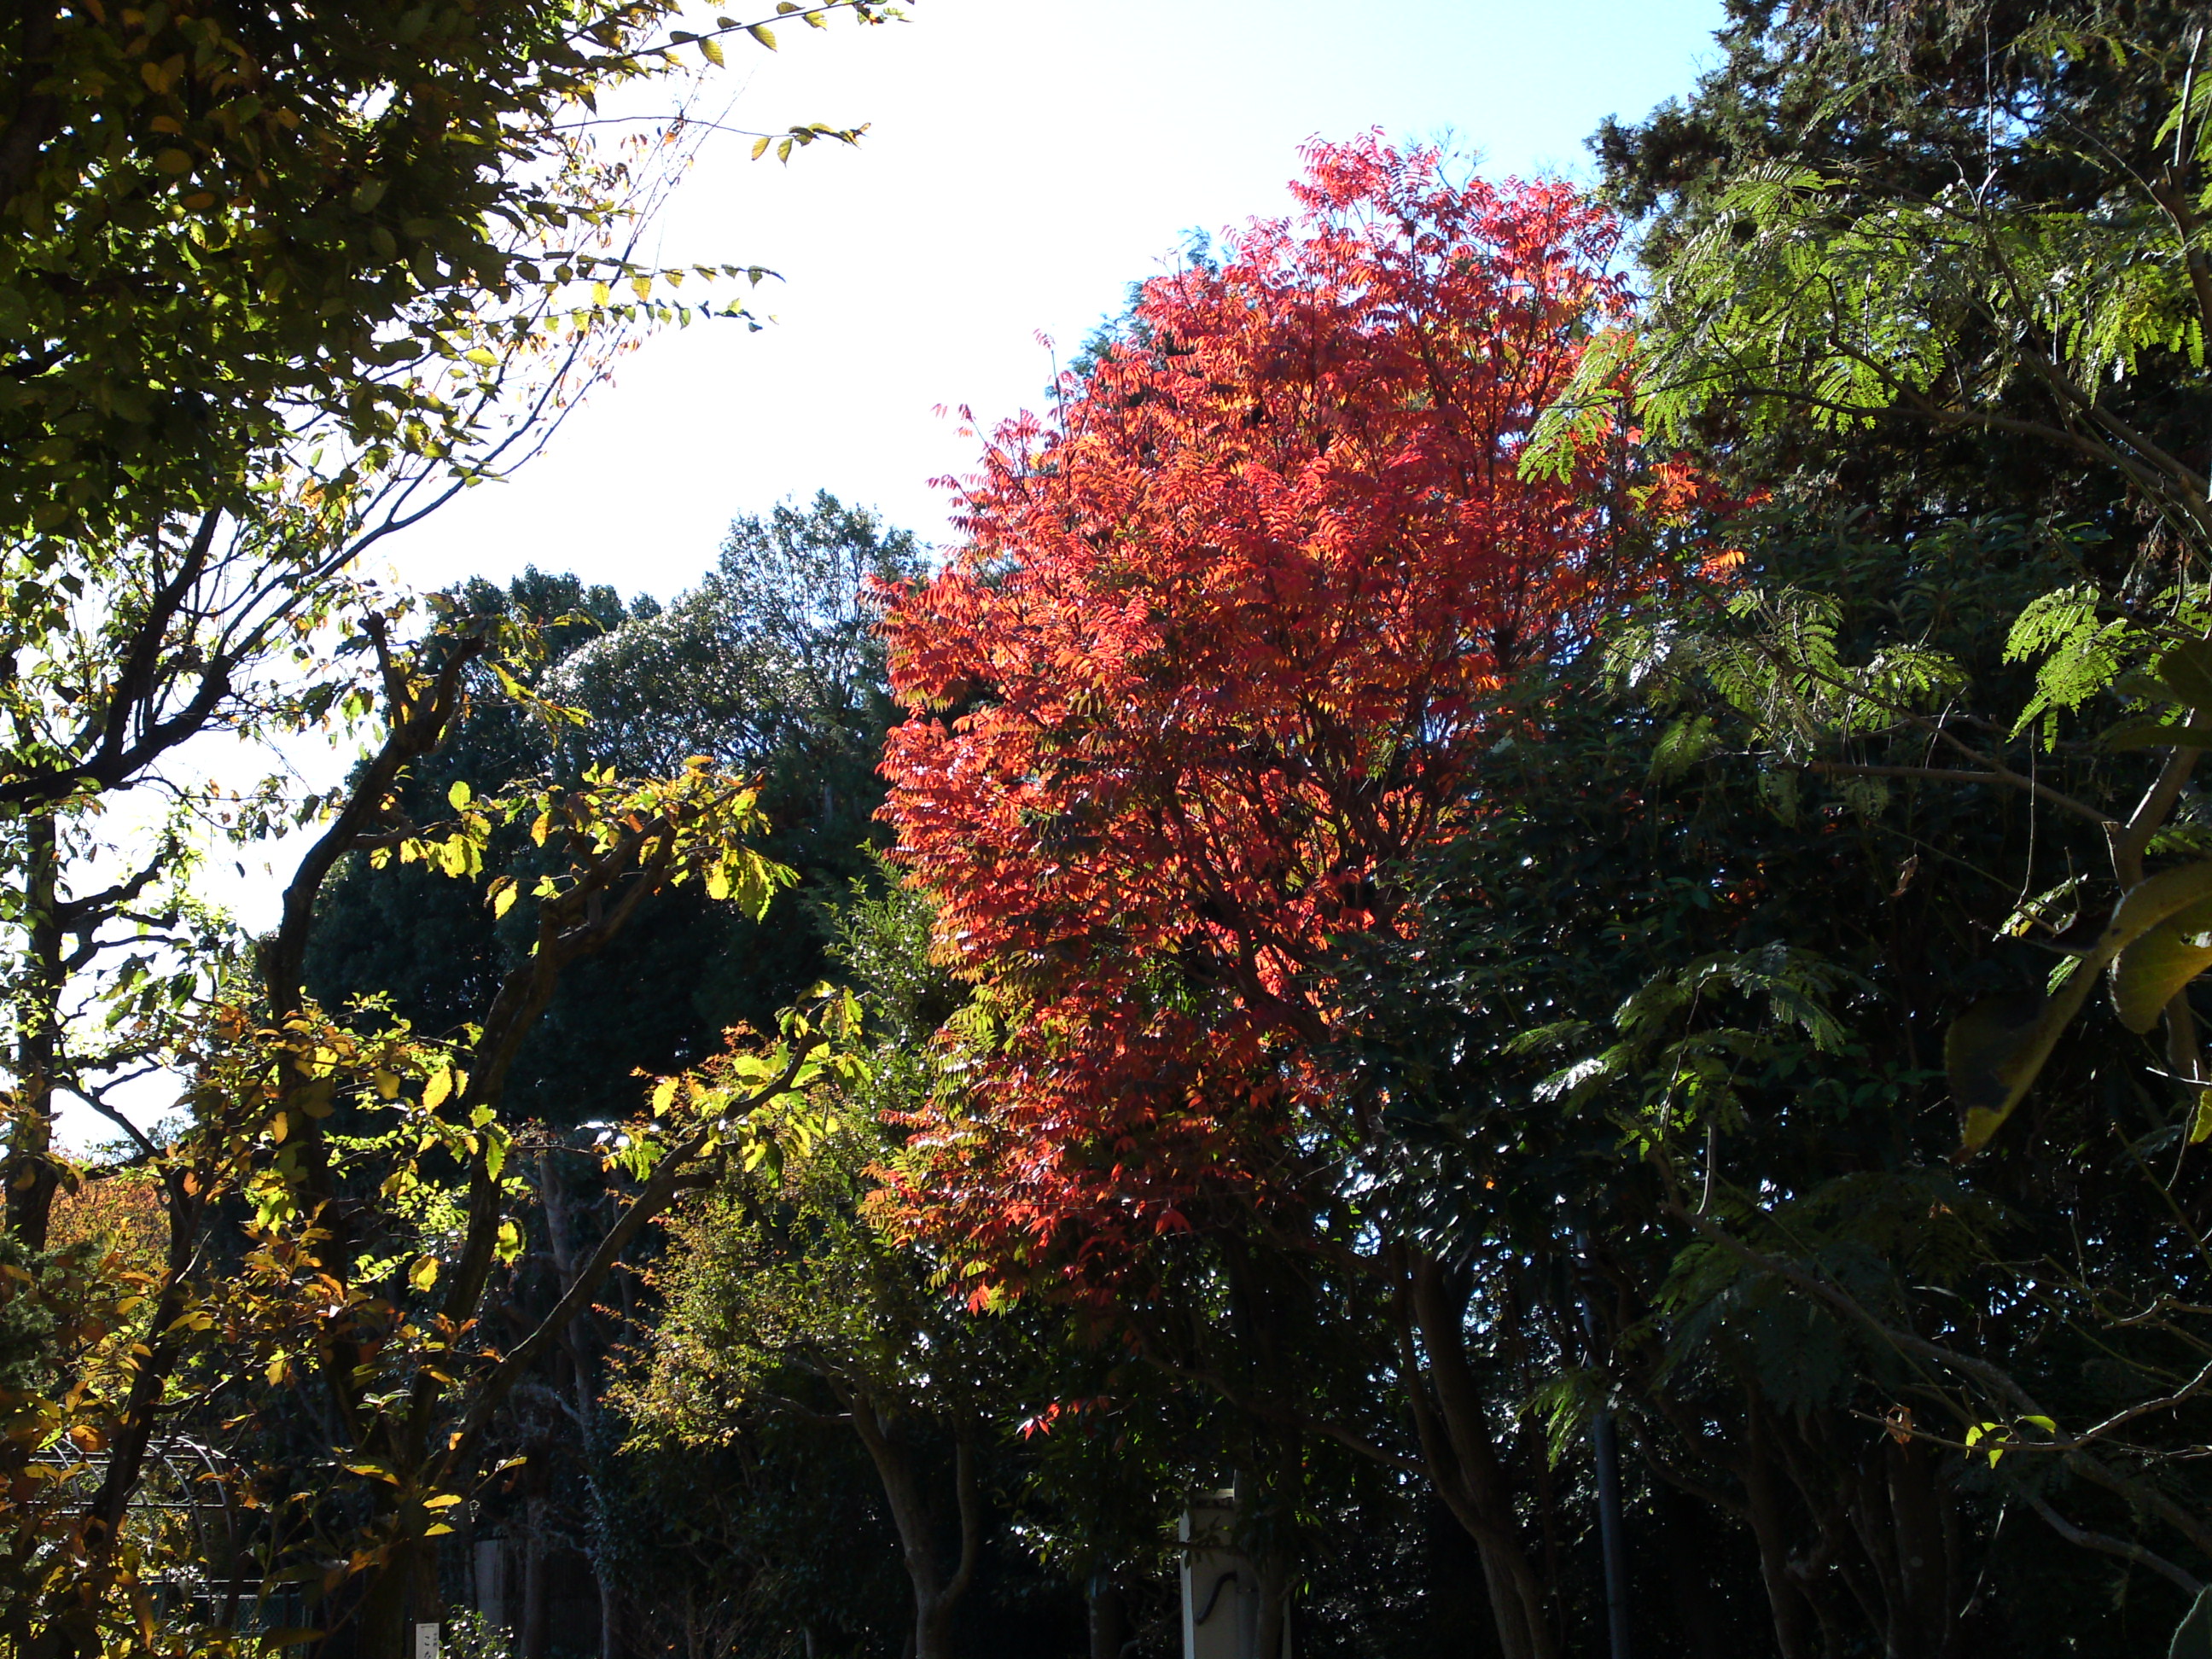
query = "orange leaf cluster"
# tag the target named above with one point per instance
(1219, 653)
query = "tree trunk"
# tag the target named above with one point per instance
(1463, 1461)
(555, 1197)
(32, 1181)
(1785, 1604)
(1274, 1610)
(936, 1598)
(536, 1582)
(1108, 1620)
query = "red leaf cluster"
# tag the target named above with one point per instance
(1217, 652)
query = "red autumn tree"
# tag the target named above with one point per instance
(1216, 654)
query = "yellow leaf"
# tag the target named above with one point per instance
(718, 882)
(460, 794)
(482, 358)
(435, 1091)
(444, 1500)
(713, 50)
(664, 1096)
(387, 1086)
(424, 1273)
(642, 286)
(760, 148)
(279, 1125)
(764, 34)
(601, 293)
(172, 161)
(503, 900)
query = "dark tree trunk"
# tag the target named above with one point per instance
(936, 1596)
(1110, 1621)
(536, 1582)
(1464, 1465)
(31, 1180)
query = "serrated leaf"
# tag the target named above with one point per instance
(764, 34)
(711, 49)
(437, 1090)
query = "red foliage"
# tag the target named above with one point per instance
(1225, 631)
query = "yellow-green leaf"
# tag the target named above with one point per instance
(664, 1096)
(2146, 974)
(760, 147)
(764, 34)
(435, 1091)
(460, 794)
(424, 1273)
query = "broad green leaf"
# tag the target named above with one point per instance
(2149, 731)
(2186, 669)
(1994, 1052)
(2145, 975)
(2194, 1639)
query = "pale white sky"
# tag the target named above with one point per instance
(1026, 161)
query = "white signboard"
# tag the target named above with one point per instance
(426, 1642)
